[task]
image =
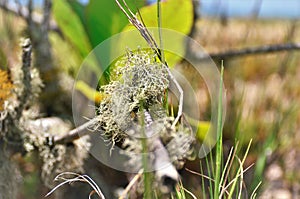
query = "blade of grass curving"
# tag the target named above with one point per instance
(238, 172)
(219, 144)
(253, 195)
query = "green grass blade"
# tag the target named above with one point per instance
(210, 175)
(202, 181)
(147, 175)
(159, 22)
(220, 137)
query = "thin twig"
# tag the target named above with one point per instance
(180, 105)
(140, 27)
(153, 45)
(247, 51)
(203, 176)
(75, 133)
(130, 185)
(77, 178)
(230, 165)
(37, 18)
(189, 192)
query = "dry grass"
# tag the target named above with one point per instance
(263, 101)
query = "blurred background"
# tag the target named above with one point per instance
(258, 41)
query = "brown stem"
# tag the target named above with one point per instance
(247, 51)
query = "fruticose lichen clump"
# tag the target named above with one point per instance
(137, 78)
(138, 89)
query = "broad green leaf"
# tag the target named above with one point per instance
(103, 18)
(177, 15)
(71, 26)
(78, 8)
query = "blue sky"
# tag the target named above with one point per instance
(244, 8)
(241, 8)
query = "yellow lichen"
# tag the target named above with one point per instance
(5, 88)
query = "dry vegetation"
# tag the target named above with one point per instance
(263, 93)
(263, 96)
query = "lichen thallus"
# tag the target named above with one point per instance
(144, 80)
(134, 96)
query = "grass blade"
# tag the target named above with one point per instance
(219, 145)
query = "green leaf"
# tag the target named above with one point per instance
(101, 19)
(176, 15)
(104, 19)
(70, 24)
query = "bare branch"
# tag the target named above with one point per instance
(23, 96)
(24, 13)
(75, 133)
(247, 51)
(38, 19)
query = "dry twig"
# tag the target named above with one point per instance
(131, 183)
(247, 51)
(77, 178)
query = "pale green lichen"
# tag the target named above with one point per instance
(56, 158)
(139, 78)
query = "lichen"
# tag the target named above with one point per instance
(56, 158)
(10, 180)
(139, 78)
(6, 87)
